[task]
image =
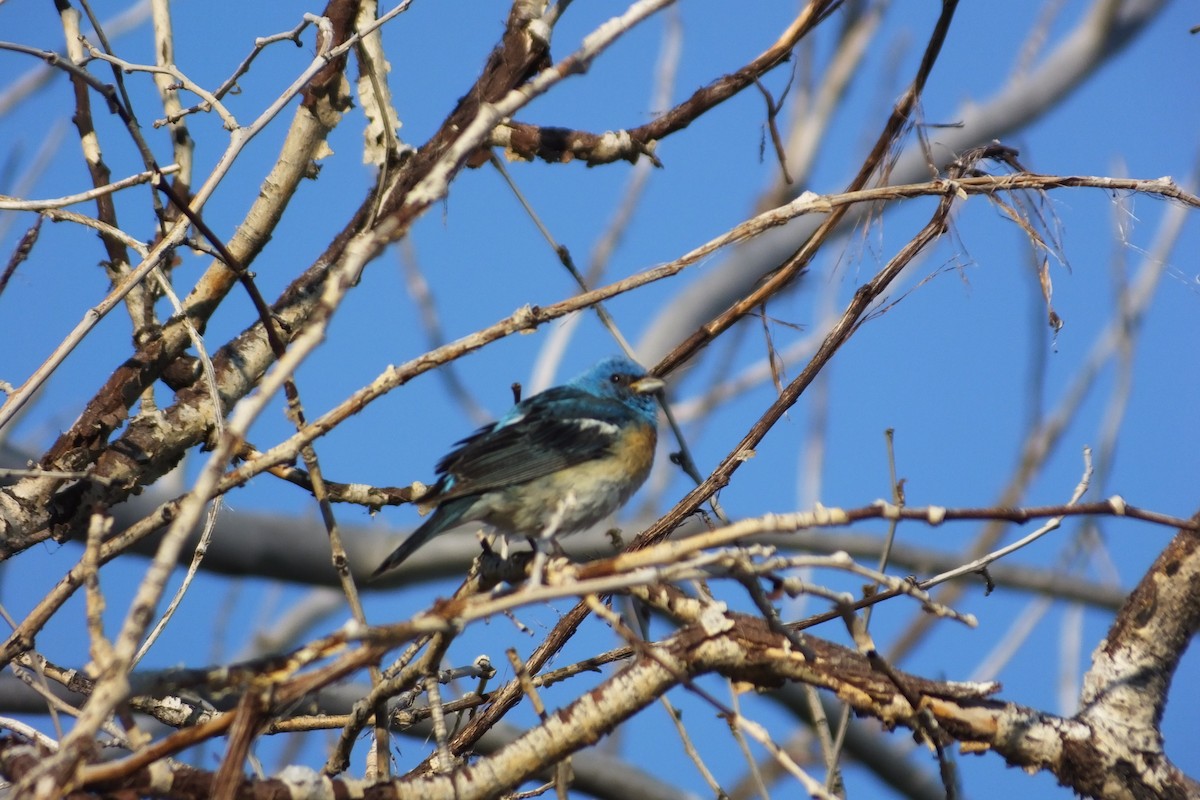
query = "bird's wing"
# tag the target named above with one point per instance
(550, 431)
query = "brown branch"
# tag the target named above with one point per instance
(749, 649)
(1125, 691)
(563, 144)
(798, 262)
(86, 443)
(837, 336)
(87, 439)
(20, 253)
(744, 648)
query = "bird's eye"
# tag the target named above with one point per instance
(617, 378)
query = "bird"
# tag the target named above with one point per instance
(557, 462)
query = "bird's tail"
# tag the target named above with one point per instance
(445, 517)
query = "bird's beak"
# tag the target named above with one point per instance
(647, 385)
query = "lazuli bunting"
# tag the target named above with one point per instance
(558, 462)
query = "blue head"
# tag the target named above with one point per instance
(618, 378)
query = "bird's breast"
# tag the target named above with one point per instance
(634, 451)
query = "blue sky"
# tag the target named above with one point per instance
(953, 367)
